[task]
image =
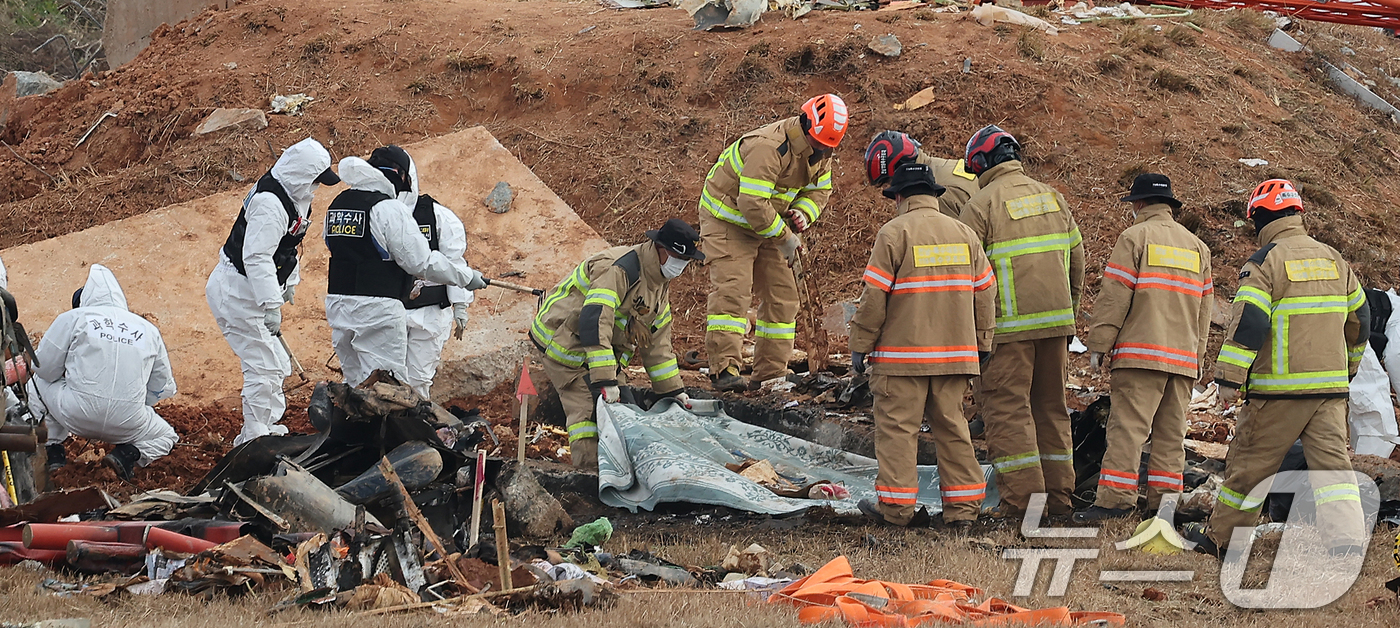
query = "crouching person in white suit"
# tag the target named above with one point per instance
(101, 369)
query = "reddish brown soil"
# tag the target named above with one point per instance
(501, 409)
(206, 434)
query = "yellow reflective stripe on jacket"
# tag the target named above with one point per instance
(728, 214)
(1298, 382)
(1283, 311)
(1001, 255)
(578, 280)
(823, 183)
(1356, 299)
(600, 358)
(1237, 356)
(1355, 354)
(1039, 320)
(756, 187)
(809, 207)
(663, 319)
(601, 296)
(1256, 297)
(665, 370)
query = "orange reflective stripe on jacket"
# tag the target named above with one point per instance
(1154, 353)
(878, 278)
(923, 355)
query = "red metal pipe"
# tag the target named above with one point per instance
(12, 552)
(93, 557)
(218, 532)
(55, 536)
(175, 542)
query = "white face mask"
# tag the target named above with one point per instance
(673, 267)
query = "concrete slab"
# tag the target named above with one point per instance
(127, 29)
(163, 259)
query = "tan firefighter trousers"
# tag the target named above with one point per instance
(578, 402)
(1266, 429)
(901, 405)
(1146, 404)
(743, 264)
(1028, 437)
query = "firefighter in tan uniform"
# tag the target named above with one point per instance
(1297, 332)
(958, 184)
(927, 316)
(615, 306)
(1151, 323)
(766, 188)
(1038, 257)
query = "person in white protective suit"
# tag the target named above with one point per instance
(429, 318)
(258, 271)
(377, 251)
(101, 368)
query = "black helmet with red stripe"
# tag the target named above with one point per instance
(886, 153)
(989, 147)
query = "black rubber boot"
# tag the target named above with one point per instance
(1196, 533)
(1096, 514)
(122, 459)
(729, 381)
(57, 457)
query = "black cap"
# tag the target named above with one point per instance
(393, 157)
(1152, 186)
(77, 298)
(328, 178)
(679, 238)
(913, 178)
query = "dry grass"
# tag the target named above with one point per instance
(896, 555)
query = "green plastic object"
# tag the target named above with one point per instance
(591, 534)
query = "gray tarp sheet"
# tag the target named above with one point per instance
(669, 454)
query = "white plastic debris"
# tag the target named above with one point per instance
(1254, 163)
(291, 105)
(1075, 346)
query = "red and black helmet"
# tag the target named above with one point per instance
(989, 147)
(886, 153)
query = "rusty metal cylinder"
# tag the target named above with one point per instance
(23, 443)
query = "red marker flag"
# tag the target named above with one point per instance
(526, 387)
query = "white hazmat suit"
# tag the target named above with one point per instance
(370, 333)
(101, 370)
(428, 327)
(241, 304)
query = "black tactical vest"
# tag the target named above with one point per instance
(285, 257)
(426, 218)
(359, 266)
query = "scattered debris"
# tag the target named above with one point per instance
(591, 534)
(1254, 163)
(886, 45)
(292, 105)
(111, 113)
(498, 201)
(529, 508)
(724, 14)
(34, 83)
(221, 119)
(833, 593)
(988, 14)
(1154, 594)
(920, 99)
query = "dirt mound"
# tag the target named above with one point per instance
(623, 112)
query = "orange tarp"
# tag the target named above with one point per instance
(833, 593)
